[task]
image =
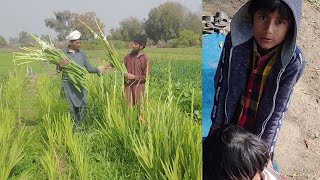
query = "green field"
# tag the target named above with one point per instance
(36, 133)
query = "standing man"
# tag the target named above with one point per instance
(138, 66)
(77, 100)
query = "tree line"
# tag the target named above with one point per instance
(169, 22)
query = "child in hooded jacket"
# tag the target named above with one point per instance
(259, 66)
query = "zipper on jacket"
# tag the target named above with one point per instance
(273, 103)
(225, 102)
(274, 96)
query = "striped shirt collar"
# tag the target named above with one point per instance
(255, 49)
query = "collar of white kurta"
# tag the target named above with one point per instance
(72, 51)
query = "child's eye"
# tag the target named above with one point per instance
(264, 18)
(280, 21)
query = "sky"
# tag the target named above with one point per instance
(29, 15)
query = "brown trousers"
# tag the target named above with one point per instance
(134, 92)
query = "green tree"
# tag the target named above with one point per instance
(164, 21)
(25, 39)
(3, 42)
(14, 41)
(130, 27)
(60, 23)
(187, 38)
(65, 21)
(90, 19)
(115, 34)
(192, 22)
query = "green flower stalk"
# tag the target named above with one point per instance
(112, 54)
(45, 51)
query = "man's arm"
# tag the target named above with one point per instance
(89, 67)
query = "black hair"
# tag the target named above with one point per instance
(141, 39)
(271, 5)
(232, 153)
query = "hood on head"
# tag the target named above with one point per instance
(241, 28)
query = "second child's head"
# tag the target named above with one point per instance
(232, 153)
(272, 21)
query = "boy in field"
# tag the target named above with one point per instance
(259, 67)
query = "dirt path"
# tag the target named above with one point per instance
(298, 148)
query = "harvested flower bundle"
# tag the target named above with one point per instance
(45, 51)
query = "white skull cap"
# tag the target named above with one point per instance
(74, 35)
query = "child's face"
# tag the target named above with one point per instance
(269, 29)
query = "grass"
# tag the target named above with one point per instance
(114, 144)
(5, 59)
(185, 64)
(6, 64)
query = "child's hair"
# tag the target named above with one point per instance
(232, 153)
(271, 5)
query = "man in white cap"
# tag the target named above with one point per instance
(77, 100)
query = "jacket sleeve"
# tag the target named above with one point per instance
(288, 80)
(145, 69)
(220, 84)
(88, 66)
